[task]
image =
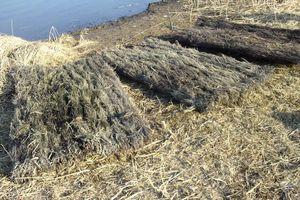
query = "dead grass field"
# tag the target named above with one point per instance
(250, 150)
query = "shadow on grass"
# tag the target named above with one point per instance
(7, 110)
(150, 93)
(290, 120)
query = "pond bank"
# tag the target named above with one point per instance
(34, 19)
(156, 20)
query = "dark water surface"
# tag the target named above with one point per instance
(33, 19)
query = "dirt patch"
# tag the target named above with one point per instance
(67, 111)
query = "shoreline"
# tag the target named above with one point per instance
(158, 17)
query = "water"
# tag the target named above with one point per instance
(33, 19)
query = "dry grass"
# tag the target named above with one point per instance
(242, 152)
(247, 151)
(273, 13)
(16, 51)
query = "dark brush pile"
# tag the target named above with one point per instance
(252, 42)
(279, 34)
(66, 111)
(7, 110)
(188, 76)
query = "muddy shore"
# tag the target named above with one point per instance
(157, 19)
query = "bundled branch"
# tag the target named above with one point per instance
(241, 40)
(186, 75)
(67, 111)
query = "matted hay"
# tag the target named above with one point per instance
(241, 40)
(186, 75)
(66, 111)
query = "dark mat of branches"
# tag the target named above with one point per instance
(186, 75)
(67, 111)
(7, 109)
(241, 40)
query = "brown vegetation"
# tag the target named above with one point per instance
(186, 75)
(242, 40)
(66, 111)
(249, 150)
